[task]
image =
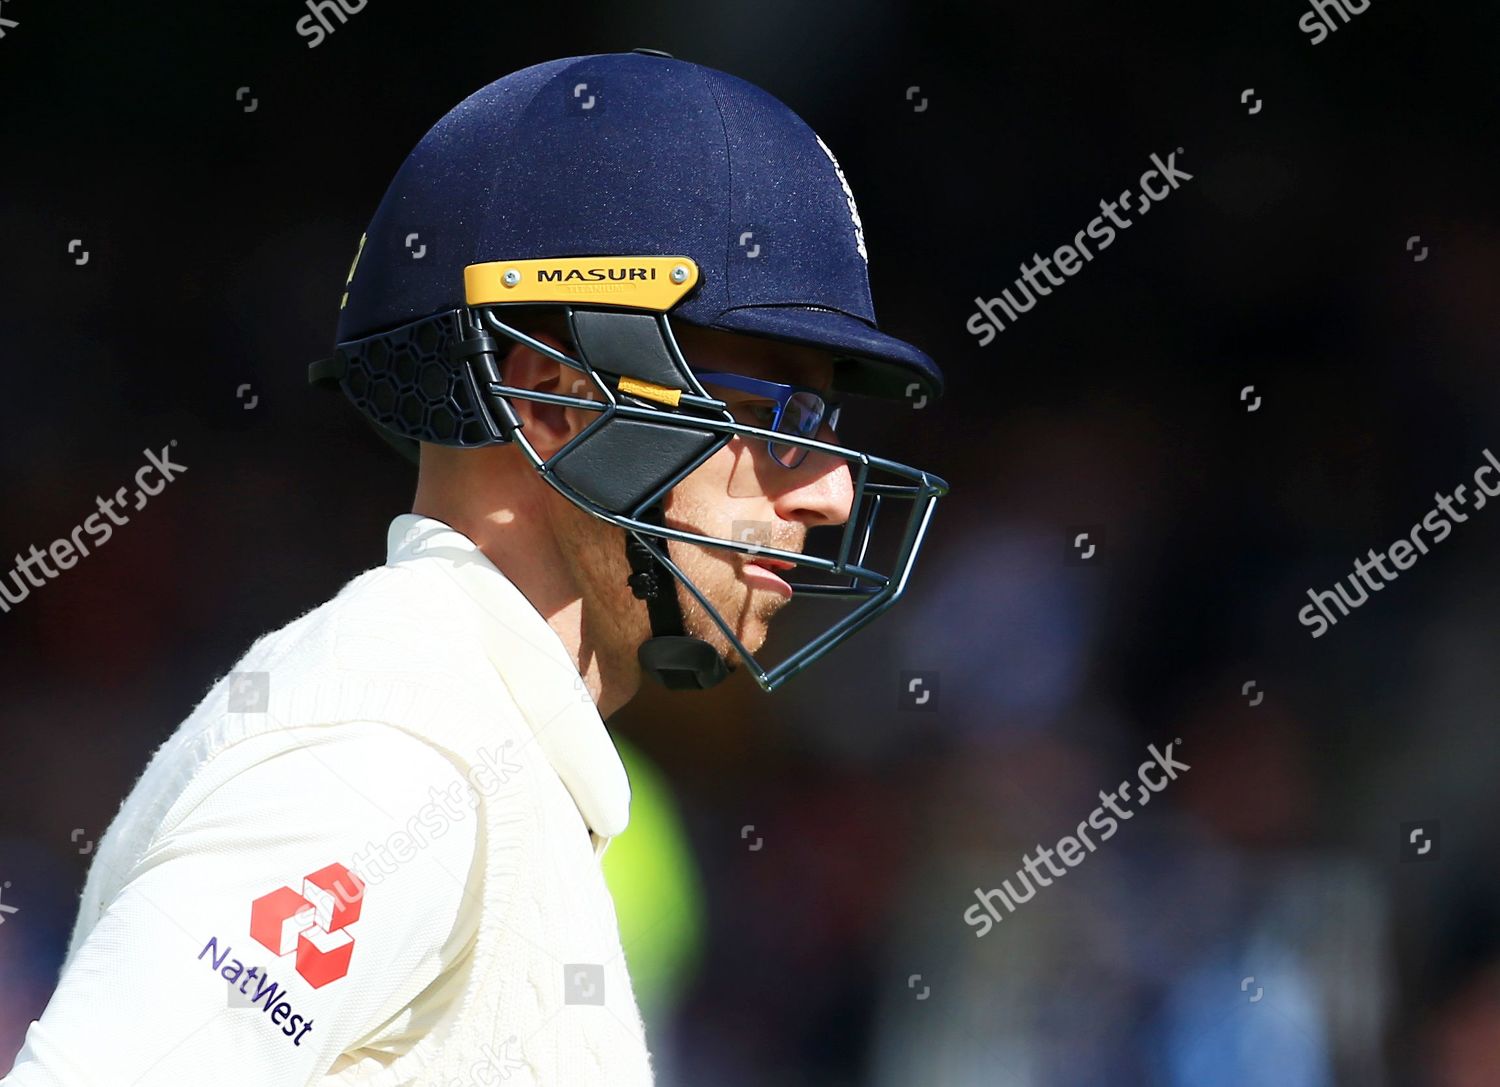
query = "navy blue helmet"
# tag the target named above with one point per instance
(629, 192)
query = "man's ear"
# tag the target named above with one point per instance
(547, 426)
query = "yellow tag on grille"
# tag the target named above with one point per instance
(649, 390)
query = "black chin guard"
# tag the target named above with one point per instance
(682, 663)
(672, 658)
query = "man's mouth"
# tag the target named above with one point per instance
(761, 573)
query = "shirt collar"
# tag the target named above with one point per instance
(532, 663)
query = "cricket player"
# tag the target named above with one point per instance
(612, 305)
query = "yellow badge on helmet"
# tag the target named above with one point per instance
(649, 283)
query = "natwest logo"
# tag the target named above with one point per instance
(312, 923)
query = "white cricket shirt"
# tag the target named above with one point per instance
(370, 856)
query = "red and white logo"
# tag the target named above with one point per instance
(312, 923)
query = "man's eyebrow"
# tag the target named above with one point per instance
(779, 371)
(808, 375)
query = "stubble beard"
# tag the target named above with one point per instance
(716, 572)
(615, 623)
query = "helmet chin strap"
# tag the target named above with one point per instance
(674, 659)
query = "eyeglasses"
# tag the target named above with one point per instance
(798, 411)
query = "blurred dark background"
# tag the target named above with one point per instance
(836, 954)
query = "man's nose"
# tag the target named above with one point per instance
(821, 490)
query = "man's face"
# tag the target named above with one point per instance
(742, 492)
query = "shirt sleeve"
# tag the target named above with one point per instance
(283, 920)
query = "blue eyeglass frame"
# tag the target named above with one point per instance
(782, 395)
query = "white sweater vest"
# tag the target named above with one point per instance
(440, 644)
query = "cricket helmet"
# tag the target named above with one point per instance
(629, 192)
